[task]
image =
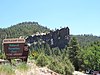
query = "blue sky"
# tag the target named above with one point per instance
(81, 16)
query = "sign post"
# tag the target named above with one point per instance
(16, 48)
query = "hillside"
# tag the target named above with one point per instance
(80, 49)
(25, 29)
(29, 28)
(85, 40)
(21, 29)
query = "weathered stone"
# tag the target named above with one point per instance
(58, 38)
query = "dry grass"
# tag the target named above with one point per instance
(6, 70)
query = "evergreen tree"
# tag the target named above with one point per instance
(42, 60)
(91, 56)
(74, 52)
(47, 49)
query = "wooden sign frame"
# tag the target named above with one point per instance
(15, 48)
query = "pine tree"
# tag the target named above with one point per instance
(74, 50)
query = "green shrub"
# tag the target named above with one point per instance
(64, 67)
(2, 56)
(68, 67)
(22, 67)
(6, 70)
(56, 66)
(42, 60)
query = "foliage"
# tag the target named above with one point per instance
(62, 66)
(22, 29)
(56, 51)
(53, 58)
(83, 51)
(25, 29)
(56, 66)
(6, 70)
(47, 49)
(42, 60)
(73, 52)
(2, 56)
(86, 39)
(22, 67)
(69, 68)
(33, 55)
(91, 56)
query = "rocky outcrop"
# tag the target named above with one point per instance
(57, 38)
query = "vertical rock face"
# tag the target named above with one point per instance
(57, 38)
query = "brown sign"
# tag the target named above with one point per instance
(15, 48)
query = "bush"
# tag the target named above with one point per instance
(2, 56)
(42, 60)
(6, 70)
(22, 67)
(68, 67)
(56, 66)
(64, 67)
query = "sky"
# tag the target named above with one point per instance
(81, 16)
